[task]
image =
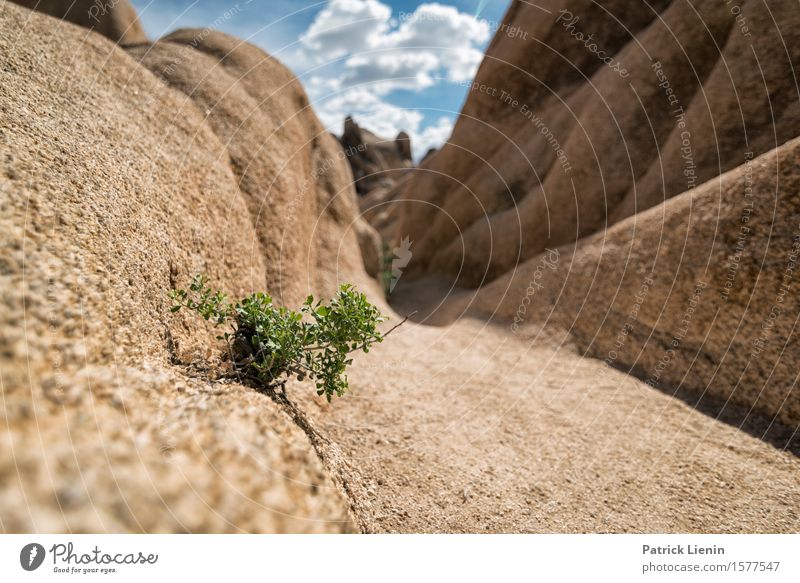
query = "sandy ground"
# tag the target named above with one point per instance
(469, 428)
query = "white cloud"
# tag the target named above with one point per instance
(433, 40)
(438, 25)
(346, 26)
(389, 71)
(369, 110)
(463, 65)
(382, 118)
(432, 137)
(362, 54)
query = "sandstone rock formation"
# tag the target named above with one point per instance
(124, 172)
(114, 188)
(594, 115)
(287, 167)
(114, 19)
(598, 111)
(376, 162)
(699, 294)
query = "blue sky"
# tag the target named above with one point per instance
(393, 64)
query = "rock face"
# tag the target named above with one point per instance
(376, 162)
(583, 114)
(697, 294)
(287, 167)
(114, 19)
(125, 172)
(112, 192)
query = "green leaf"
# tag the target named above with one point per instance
(272, 343)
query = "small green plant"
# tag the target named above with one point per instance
(268, 343)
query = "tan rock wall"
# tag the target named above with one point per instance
(700, 293)
(114, 19)
(555, 143)
(114, 188)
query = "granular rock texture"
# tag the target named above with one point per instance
(697, 294)
(509, 433)
(115, 188)
(584, 113)
(125, 172)
(115, 19)
(291, 174)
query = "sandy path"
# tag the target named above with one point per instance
(468, 428)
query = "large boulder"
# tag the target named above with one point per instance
(290, 172)
(114, 19)
(698, 296)
(115, 188)
(584, 113)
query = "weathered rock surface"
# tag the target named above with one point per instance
(376, 162)
(114, 188)
(699, 294)
(124, 173)
(509, 435)
(562, 134)
(291, 173)
(558, 141)
(114, 19)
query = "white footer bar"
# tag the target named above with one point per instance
(389, 558)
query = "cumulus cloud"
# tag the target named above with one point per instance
(363, 54)
(383, 119)
(346, 26)
(370, 111)
(407, 53)
(387, 72)
(437, 25)
(433, 136)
